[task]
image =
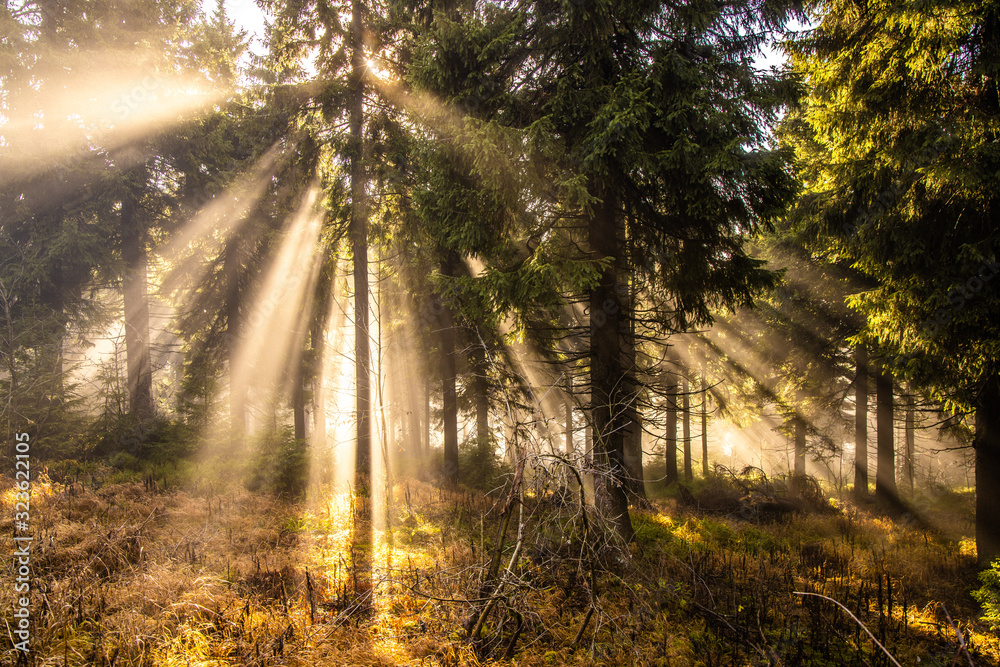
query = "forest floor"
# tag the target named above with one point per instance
(127, 573)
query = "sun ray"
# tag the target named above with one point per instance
(274, 328)
(110, 108)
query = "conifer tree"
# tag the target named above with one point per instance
(898, 152)
(659, 115)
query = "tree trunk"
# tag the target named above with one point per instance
(686, 429)
(237, 383)
(635, 486)
(800, 446)
(569, 419)
(606, 372)
(704, 424)
(910, 436)
(53, 296)
(359, 246)
(426, 444)
(299, 399)
(670, 429)
(885, 473)
(136, 297)
(412, 403)
(987, 445)
(362, 536)
(509, 454)
(481, 387)
(861, 422)
(318, 337)
(449, 396)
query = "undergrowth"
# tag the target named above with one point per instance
(129, 573)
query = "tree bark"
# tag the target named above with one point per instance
(704, 423)
(800, 446)
(426, 444)
(635, 486)
(299, 398)
(318, 337)
(449, 396)
(136, 298)
(608, 409)
(359, 246)
(885, 473)
(670, 429)
(362, 536)
(910, 436)
(569, 419)
(53, 296)
(481, 387)
(861, 422)
(412, 402)
(686, 429)
(987, 445)
(237, 384)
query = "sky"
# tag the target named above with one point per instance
(247, 16)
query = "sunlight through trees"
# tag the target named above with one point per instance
(579, 272)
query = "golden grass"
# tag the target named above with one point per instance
(218, 577)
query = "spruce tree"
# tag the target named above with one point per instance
(661, 121)
(897, 145)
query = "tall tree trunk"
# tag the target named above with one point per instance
(237, 383)
(53, 296)
(861, 422)
(885, 473)
(686, 429)
(318, 337)
(54, 291)
(800, 446)
(607, 373)
(317, 361)
(670, 428)
(359, 246)
(704, 423)
(449, 395)
(361, 540)
(426, 444)
(481, 387)
(569, 418)
(299, 398)
(136, 297)
(635, 486)
(910, 436)
(987, 446)
(412, 402)
(508, 441)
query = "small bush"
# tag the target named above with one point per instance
(281, 466)
(479, 467)
(123, 461)
(155, 438)
(988, 595)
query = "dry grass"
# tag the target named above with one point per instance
(210, 576)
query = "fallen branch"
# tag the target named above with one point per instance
(856, 620)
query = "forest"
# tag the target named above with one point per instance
(511, 332)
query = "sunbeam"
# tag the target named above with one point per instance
(105, 110)
(274, 331)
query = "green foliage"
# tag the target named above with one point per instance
(124, 461)
(156, 439)
(895, 139)
(479, 467)
(280, 466)
(988, 595)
